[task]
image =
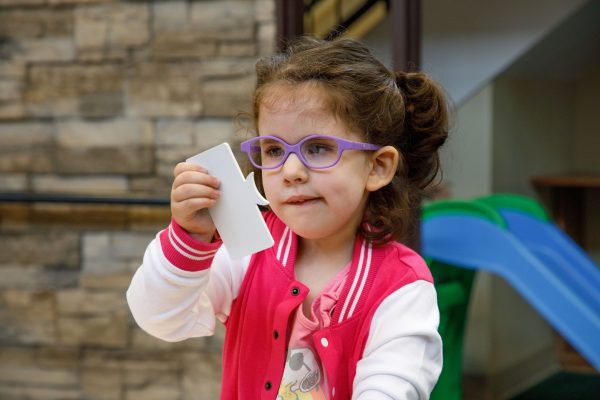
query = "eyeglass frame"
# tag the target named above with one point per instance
(295, 148)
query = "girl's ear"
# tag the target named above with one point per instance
(383, 167)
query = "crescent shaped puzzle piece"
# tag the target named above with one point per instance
(251, 186)
(235, 214)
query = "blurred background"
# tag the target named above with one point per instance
(99, 99)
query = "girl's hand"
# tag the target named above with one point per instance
(193, 191)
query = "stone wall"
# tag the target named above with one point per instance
(104, 97)
(65, 329)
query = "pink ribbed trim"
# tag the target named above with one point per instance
(185, 252)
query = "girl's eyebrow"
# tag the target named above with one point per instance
(270, 139)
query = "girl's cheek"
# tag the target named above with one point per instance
(267, 187)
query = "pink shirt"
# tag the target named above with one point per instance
(303, 375)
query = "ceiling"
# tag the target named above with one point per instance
(570, 52)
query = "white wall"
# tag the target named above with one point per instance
(587, 125)
(467, 155)
(585, 155)
(533, 131)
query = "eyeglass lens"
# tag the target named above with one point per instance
(317, 152)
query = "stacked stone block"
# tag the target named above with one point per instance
(103, 98)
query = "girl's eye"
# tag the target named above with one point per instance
(273, 151)
(315, 149)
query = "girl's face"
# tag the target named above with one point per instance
(315, 204)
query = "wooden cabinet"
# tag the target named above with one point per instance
(564, 197)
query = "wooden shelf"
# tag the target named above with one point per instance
(564, 196)
(566, 181)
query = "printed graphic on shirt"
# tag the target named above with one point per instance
(301, 377)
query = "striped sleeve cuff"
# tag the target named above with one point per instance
(185, 252)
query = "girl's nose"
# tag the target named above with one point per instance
(294, 171)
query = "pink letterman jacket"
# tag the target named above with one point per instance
(382, 342)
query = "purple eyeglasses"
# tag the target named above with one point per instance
(315, 151)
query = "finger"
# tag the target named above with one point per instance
(192, 190)
(196, 177)
(194, 205)
(185, 166)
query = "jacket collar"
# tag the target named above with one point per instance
(365, 260)
(286, 244)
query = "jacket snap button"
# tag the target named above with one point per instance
(276, 334)
(295, 291)
(268, 385)
(324, 342)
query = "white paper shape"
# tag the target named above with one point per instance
(235, 214)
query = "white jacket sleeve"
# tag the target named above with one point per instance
(174, 304)
(402, 358)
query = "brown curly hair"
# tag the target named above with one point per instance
(405, 110)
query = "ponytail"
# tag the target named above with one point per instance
(425, 127)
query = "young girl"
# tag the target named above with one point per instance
(335, 309)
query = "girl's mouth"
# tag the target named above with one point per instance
(301, 200)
